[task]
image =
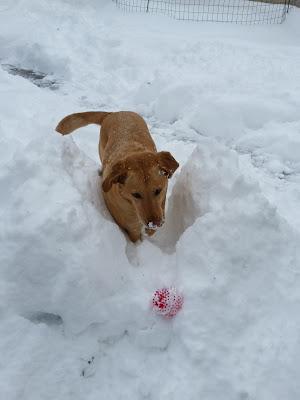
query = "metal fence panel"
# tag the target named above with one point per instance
(237, 11)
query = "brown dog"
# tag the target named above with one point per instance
(135, 176)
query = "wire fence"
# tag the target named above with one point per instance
(236, 11)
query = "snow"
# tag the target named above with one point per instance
(75, 294)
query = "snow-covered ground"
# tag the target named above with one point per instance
(75, 319)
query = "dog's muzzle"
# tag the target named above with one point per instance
(154, 224)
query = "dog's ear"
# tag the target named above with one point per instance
(167, 163)
(118, 174)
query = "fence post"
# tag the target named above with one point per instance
(285, 10)
(148, 5)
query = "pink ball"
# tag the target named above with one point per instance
(167, 302)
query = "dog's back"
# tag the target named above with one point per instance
(124, 133)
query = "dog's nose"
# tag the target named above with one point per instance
(154, 223)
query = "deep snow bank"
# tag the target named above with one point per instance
(239, 265)
(235, 260)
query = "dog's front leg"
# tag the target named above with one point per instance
(150, 232)
(134, 236)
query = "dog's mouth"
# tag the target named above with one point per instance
(153, 226)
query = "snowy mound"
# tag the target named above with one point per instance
(235, 261)
(239, 267)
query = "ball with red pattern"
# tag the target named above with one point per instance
(167, 302)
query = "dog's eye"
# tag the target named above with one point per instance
(157, 191)
(162, 172)
(137, 195)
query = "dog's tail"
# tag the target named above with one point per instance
(77, 120)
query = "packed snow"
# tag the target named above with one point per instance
(75, 309)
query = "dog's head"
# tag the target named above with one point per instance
(142, 180)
